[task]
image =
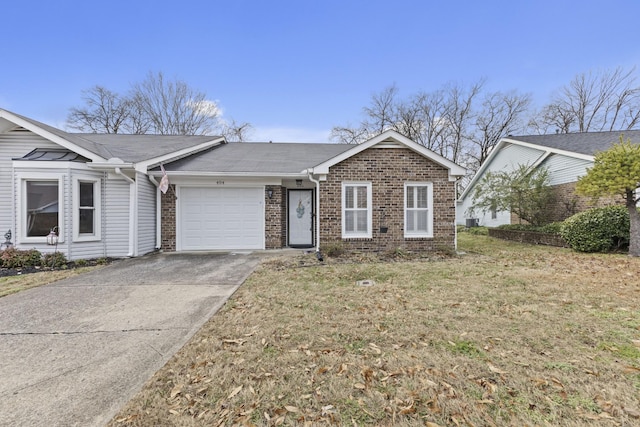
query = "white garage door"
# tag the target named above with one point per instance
(221, 218)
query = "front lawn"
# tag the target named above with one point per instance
(508, 334)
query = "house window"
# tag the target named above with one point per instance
(86, 209)
(356, 210)
(418, 209)
(43, 207)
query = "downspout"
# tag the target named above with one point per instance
(132, 212)
(158, 212)
(317, 183)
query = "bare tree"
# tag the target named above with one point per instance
(500, 115)
(104, 111)
(173, 108)
(605, 101)
(236, 132)
(157, 106)
(459, 114)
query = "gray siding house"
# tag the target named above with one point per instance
(566, 156)
(101, 193)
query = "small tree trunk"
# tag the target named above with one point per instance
(634, 229)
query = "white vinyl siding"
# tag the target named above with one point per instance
(356, 210)
(13, 144)
(564, 169)
(146, 214)
(418, 209)
(116, 235)
(507, 159)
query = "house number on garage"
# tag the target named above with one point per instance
(220, 182)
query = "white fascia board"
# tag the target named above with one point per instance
(39, 164)
(454, 169)
(229, 174)
(550, 149)
(50, 136)
(176, 155)
(109, 166)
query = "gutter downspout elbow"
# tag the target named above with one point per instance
(122, 174)
(317, 183)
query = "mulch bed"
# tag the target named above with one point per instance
(5, 272)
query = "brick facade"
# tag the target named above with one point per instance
(275, 217)
(388, 170)
(168, 219)
(566, 202)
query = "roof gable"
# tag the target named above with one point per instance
(141, 150)
(581, 146)
(391, 139)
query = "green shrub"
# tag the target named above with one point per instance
(54, 260)
(552, 228)
(597, 230)
(14, 258)
(479, 231)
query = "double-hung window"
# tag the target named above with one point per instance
(86, 209)
(418, 209)
(356, 210)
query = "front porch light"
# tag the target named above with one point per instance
(52, 237)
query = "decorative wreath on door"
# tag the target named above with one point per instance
(300, 209)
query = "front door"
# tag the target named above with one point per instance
(300, 218)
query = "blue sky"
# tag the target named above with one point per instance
(295, 69)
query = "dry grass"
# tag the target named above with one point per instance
(507, 334)
(12, 284)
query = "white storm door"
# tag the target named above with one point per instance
(300, 218)
(214, 218)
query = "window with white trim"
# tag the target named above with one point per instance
(356, 210)
(418, 209)
(86, 209)
(42, 207)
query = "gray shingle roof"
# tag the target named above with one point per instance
(130, 148)
(588, 143)
(268, 158)
(137, 148)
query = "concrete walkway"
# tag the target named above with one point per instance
(72, 353)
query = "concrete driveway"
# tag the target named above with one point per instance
(73, 352)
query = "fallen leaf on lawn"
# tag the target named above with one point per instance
(291, 408)
(631, 370)
(633, 413)
(235, 391)
(496, 370)
(485, 401)
(430, 424)
(238, 342)
(176, 390)
(359, 386)
(327, 410)
(174, 412)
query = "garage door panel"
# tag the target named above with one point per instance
(221, 218)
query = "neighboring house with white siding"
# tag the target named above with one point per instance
(100, 193)
(566, 156)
